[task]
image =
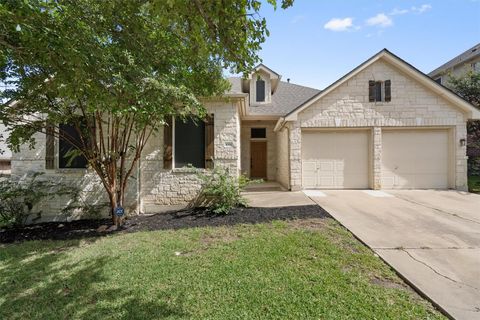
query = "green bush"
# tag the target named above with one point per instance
(221, 191)
(19, 197)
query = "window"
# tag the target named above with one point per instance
(258, 133)
(439, 80)
(260, 92)
(66, 148)
(189, 138)
(476, 66)
(5, 164)
(379, 91)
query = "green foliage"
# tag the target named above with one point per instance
(474, 184)
(221, 191)
(122, 67)
(468, 86)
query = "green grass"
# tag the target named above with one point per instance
(474, 184)
(312, 269)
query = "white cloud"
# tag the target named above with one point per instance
(381, 20)
(336, 24)
(422, 8)
(396, 12)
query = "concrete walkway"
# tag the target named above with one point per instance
(432, 238)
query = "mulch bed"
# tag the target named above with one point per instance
(190, 218)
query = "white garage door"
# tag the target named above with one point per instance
(415, 159)
(335, 160)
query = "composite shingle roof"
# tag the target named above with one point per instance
(286, 97)
(460, 59)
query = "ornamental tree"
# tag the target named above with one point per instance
(116, 70)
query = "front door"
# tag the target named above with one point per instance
(258, 159)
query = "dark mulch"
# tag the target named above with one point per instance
(162, 221)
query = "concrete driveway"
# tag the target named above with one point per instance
(432, 238)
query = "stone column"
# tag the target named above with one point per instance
(377, 157)
(295, 156)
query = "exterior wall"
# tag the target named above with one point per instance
(161, 188)
(283, 176)
(271, 147)
(29, 161)
(412, 105)
(5, 153)
(156, 187)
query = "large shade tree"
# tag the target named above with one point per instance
(117, 70)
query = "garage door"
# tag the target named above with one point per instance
(335, 160)
(415, 159)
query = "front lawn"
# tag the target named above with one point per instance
(301, 269)
(474, 184)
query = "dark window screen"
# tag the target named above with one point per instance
(260, 90)
(378, 91)
(65, 146)
(258, 133)
(189, 143)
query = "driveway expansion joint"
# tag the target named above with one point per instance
(437, 272)
(436, 209)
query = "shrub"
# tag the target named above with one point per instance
(19, 197)
(221, 191)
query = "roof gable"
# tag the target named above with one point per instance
(403, 66)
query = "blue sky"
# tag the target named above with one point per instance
(316, 42)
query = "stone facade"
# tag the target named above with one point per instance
(29, 161)
(151, 187)
(348, 106)
(271, 147)
(161, 188)
(283, 167)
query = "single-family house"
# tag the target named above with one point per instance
(384, 125)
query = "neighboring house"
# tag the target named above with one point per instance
(458, 66)
(384, 125)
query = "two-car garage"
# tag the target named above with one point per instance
(409, 158)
